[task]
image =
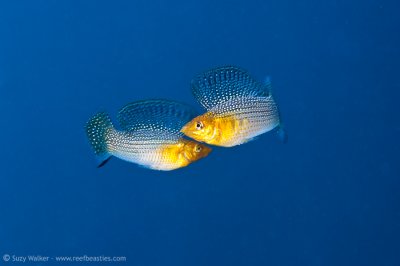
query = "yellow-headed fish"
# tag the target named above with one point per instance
(238, 108)
(148, 135)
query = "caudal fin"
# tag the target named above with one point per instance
(282, 134)
(97, 130)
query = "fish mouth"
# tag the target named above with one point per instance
(207, 151)
(190, 133)
(183, 129)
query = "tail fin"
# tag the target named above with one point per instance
(268, 85)
(97, 130)
(280, 130)
(282, 134)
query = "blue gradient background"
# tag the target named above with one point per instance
(330, 196)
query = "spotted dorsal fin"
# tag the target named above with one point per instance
(221, 84)
(156, 115)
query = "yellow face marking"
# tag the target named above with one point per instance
(172, 156)
(183, 153)
(215, 130)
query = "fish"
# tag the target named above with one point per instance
(148, 135)
(238, 108)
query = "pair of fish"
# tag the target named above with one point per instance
(152, 133)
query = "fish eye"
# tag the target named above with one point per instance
(199, 125)
(197, 148)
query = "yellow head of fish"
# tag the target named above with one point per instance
(214, 130)
(201, 128)
(194, 151)
(183, 153)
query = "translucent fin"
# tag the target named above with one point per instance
(97, 129)
(220, 84)
(282, 134)
(268, 85)
(155, 115)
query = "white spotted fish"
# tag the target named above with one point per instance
(238, 108)
(148, 135)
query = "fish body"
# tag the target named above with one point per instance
(149, 136)
(238, 108)
(235, 122)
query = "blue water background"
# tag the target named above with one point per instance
(330, 196)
